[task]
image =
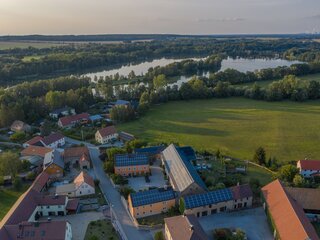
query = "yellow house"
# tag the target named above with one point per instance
(151, 202)
(53, 164)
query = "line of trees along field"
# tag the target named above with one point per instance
(30, 63)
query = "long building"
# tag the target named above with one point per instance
(288, 219)
(131, 164)
(182, 174)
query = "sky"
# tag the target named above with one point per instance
(20, 17)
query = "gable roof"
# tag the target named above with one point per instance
(36, 151)
(307, 198)
(186, 227)
(180, 168)
(134, 159)
(53, 157)
(126, 136)
(40, 182)
(19, 125)
(110, 130)
(288, 216)
(53, 137)
(310, 164)
(61, 110)
(241, 191)
(76, 152)
(35, 141)
(68, 120)
(151, 196)
(83, 177)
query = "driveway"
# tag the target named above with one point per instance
(79, 222)
(252, 221)
(156, 179)
(113, 196)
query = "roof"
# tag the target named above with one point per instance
(122, 160)
(126, 136)
(65, 188)
(34, 141)
(53, 137)
(188, 152)
(95, 117)
(121, 102)
(151, 196)
(310, 164)
(186, 227)
(241, 191)
(307, 198)
(73, 204)
(84, 177)
(44, 200)
(67, 120)
(76, 152)
(49, 230)
(104, 132)
(53, 157)
(40, 181)
(150, 150)
(19, 125)
(36, 151)
(180, 168)
(288, 216)
(203, 199)
(61, 110)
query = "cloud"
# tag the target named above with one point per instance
(207, 20)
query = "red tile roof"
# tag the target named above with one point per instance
(53, 137)
(288, 216)
(40, 182)
(107, 131)
(310, 164)
(73, 204)
(241, 191)
(83, 177)
(75, 152)
(36, 151)
(68, 120)
(34, 140)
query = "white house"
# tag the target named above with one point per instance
(82, 185)
(54, 140)
(106, 135)
(309, 168)
(66, 111)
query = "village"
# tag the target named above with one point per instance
(139, 191)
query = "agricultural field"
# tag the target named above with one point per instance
(236, 126)
(311, 77)
(8, 45)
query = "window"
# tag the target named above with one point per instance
(222, 209)
(204, 213)
(48, 207)
(213, 211)
(210, 206)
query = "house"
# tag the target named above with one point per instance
(152, 152)
(308, 199)
(19, 126)
(126, 137)
(309, 168)
(82, 185)
(53, 164)
(54, 140)
(186, 227)
(66, 111)
(131, 164)
(151, 202)
(35, 151)
(42, 182)
(288, 219)
(22, 220)
(71, 121)
(106, 135)
(217, 201)
(78, 156)
(96, 118)
(182, 174)
(120, 102)
(35, 141)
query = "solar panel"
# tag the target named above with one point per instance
(131, 159)
(208, 198)
(151, 196)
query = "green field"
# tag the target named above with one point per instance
(311, 77)
(237, 126)
(101, 230)
(8, 198)
(8, 45)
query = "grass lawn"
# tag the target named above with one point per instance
(102, 230)
(17, 44)
(311, 77)
(8, 197)
(237, 126)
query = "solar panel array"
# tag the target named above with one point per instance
(122, 160)
(208, 198)
(151, 196)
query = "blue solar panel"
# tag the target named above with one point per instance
(150, 150)
(122, 160)
(188, 152)
(208, 198)
(151, 196)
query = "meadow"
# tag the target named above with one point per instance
(25, 44)
(237, 126)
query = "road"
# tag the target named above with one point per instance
(113, 196)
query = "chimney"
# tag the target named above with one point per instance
(191, 227)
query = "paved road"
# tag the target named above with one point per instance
(113, 196)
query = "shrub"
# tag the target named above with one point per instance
(158, 236)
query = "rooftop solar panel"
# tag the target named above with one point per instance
(122, 160)
(208, 198)
(151, 196)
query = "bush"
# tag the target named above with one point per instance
(18, 136)
(31, 176)
(119, 180)
(17, 184)
(158, 236)
(125, 191)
